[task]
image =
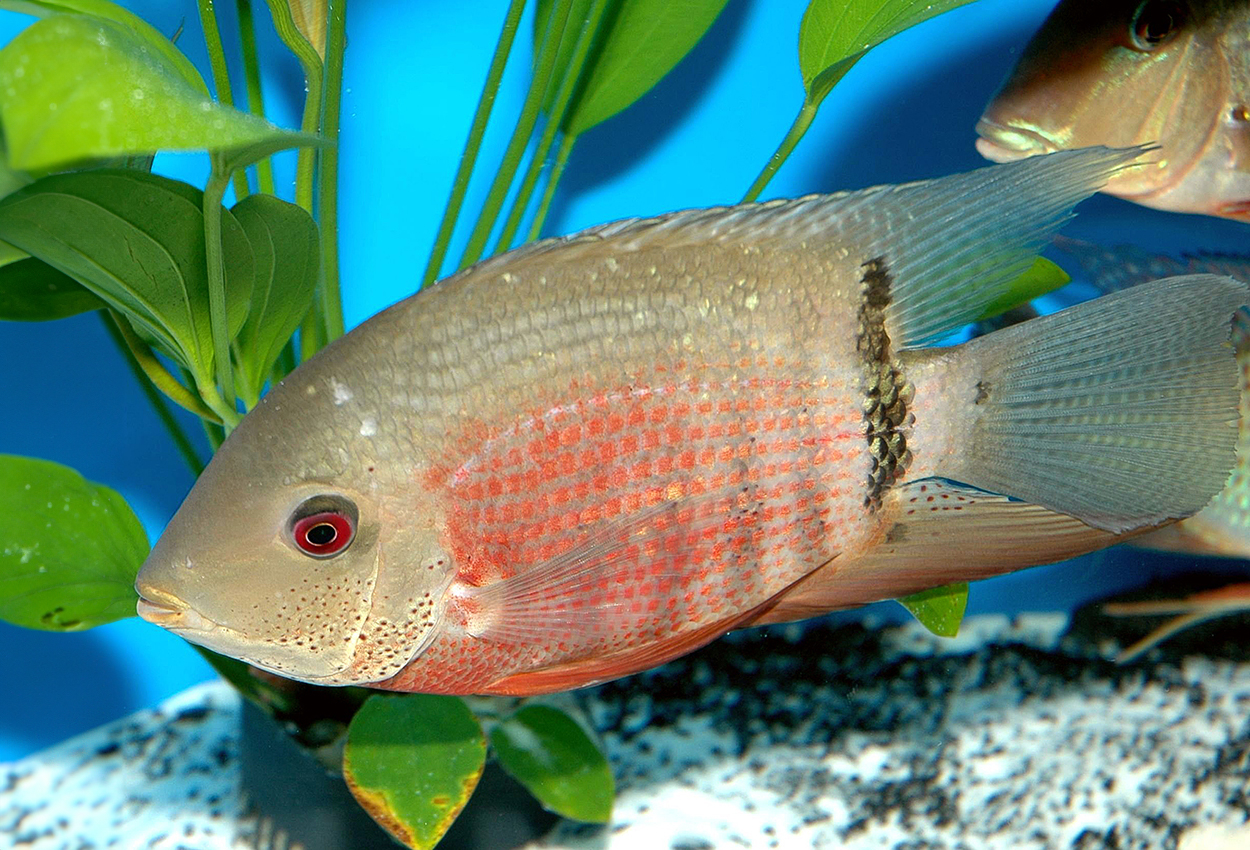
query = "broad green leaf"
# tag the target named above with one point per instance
(136, 240)
(412, 762)
(69, 549)
(940, 609)
(77, 87)
(1041, 278)
(112, 12)
(546, 751)
(835, 34)
(10, 181)
(642, 40)
(33, 291)
(287, 259)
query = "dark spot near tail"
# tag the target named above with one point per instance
(983, 392)
(885, 389)
(896, 534)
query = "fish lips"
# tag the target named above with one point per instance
(1007, 142)
(169, 612)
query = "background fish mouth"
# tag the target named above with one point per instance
(1004, 143)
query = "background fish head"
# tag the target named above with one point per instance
(239, 569)
(1120, 73)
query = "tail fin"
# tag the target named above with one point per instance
(1121, 412)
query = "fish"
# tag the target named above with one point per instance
(1222, 528)
(595, 453)
(1173, 73)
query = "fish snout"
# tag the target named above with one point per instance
(1006, 142)
(168, 611)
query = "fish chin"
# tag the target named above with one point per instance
(173, 614)
(1006, 143)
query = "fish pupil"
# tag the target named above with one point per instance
(322, 534)
(1156, 22)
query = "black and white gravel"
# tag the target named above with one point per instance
(1018, 734)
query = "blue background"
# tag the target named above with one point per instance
(413, 72)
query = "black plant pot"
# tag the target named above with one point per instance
(301, 805)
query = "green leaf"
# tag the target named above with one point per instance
(69, 549)
(112, 12)
(78, 87)
(641, 41)
(835, 34)
(1042, 277)
(33, 291)
(412, 762)
(939, 609)
(550, 754)
(136, 240)
(287, 258)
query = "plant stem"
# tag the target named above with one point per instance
(217, 322)
(305, 181)
(564, 95)
(310, 60)
(160, 378)
(557, 171)
(227, 416)
(801, 123)
(221, 76)
(485, 103)
(181, 441)
(328, 179)
(521, 135)
(255, 98)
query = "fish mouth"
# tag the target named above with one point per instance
(1005, 143)
(169, 612)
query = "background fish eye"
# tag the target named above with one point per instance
(1155, 23)
(323, 526)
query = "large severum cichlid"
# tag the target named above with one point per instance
(587, 456)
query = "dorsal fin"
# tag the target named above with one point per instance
(950, 245)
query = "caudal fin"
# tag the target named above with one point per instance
(1121, 412)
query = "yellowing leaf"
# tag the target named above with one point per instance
(309, 17)
(412, 761)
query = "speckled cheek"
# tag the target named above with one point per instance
(407, 609)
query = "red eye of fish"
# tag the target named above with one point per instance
(324, 534)
(1155, 23)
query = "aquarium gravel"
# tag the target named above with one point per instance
(1014, 735)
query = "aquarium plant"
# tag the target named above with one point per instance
(210, 304)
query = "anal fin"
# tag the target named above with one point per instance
(940, 533)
